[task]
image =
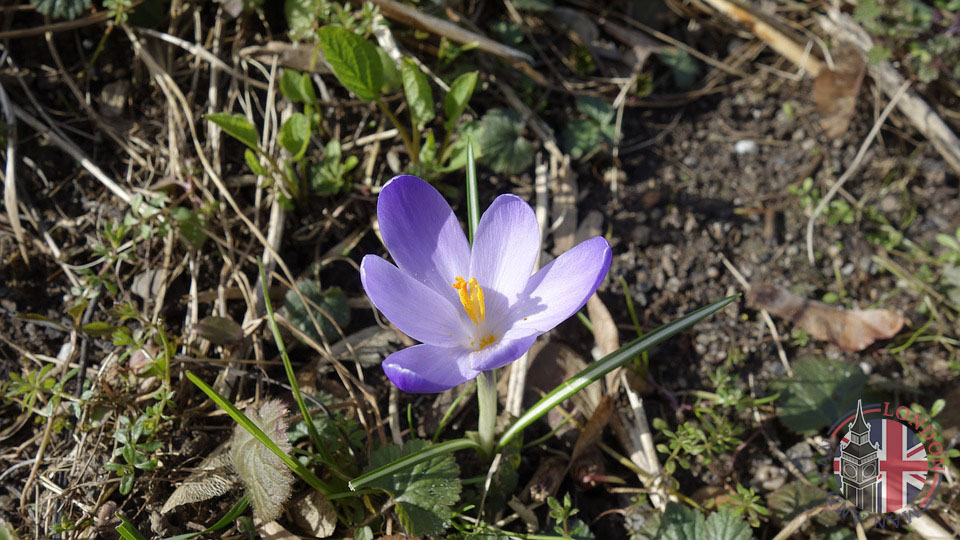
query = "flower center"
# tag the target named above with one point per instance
(471, 298)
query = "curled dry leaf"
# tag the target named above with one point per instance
(219, 330)
(266, 478)
(213, 478)
(315, 514)
(593, 430)
(852, 330)
(549, 368)
(604, 329)
(835, 91)
(545, 480)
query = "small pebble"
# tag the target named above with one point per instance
(746, 146)
(673, 285)
(712, 272)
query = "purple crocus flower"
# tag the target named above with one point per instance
(476, 309)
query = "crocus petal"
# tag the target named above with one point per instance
(500, 353)
(424, 369)
(422, 234)
(414, 308)
(505, 249)
(561, 288)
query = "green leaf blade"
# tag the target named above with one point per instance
(236, 126)
(354, 61)
(456, 100)
(417, 91)
(295, 135)
(411, 460)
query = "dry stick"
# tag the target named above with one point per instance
(393, 416)
(538, 126)
(854, 166)
(764, 314)
(81, 99)
(383, 135)
(922, 116)
(413, 17)
(776, 39)
(58, 27)
(203, 54)
(645, 456)
(798, 521)
(10, 175)
(75, 152)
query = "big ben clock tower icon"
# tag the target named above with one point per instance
(859, 465)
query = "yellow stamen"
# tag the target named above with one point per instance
(487, 341)
(471, 297)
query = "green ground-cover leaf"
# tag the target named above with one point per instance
(502, 145)
(67, 9)
(301, 17)
(191, 227)
(794, 498)
(684, 68)
(726, 525)
(328, 175)
(297, 87)
(354, 61)
(680, 522)
(333, 301)
(295, 135)
(819, 391)
(425, 493)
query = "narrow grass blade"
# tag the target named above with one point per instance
(411, 460)
(238, 508)
(298, 468)
(288, 368)
(473, 199)
(128, 531)
(607, 364)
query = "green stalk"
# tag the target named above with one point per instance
(487, 397)
(473, 199)
(487, 381)
(404, 135)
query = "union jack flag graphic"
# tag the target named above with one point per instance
(902, 461)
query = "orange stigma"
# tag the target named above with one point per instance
(471, 297)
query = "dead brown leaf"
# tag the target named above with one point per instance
(545, 480)
(835, 91)
(593, 430)
(852, 330)
(604, 329)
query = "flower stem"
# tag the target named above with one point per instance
(487, 398)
